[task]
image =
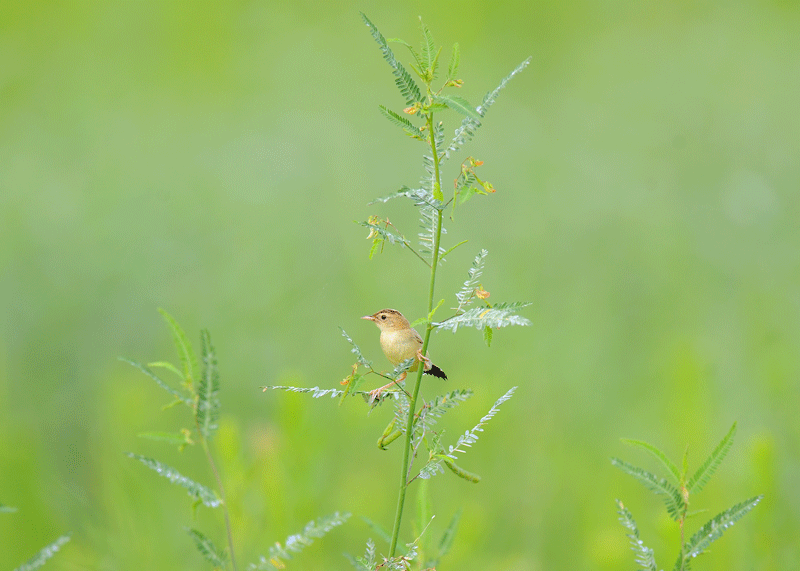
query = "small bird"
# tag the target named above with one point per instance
(399, 342)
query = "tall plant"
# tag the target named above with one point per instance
(676, 490)
(431, 92)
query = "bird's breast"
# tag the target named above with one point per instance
(399, 345)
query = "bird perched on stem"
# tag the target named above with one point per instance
(399, 342)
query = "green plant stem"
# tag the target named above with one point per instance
(412, 405)
(224, 501)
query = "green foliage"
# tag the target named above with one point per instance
(644, 555)
(455, 59)
(407, 126)
(403, 80)
(44, 554)
(495, 316)
(676, 498)
(179, 397)
(183, 346)
(704, 473)
(413, 422)
(466, 131)
(466, 295)
(204, 400)
(672, 497)
(299, 541)
(207, 413)
(207, 548)
(713, 530)
(198, 491)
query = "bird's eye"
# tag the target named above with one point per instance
(383, 316)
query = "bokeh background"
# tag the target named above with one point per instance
(210, 158)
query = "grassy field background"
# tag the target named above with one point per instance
(210, 158)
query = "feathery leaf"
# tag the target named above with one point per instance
(644, 554)
(197, 491)
(403, 80)
(44, 554)
(714, 529)
(704, 473)
(208, 405)
(356, 351)
(386, 234)
(428, 52)
(467, 293)
(672, 497)
(471, 436)
(184, 399)
(466, 131)
(499, 315)
(668, 464)
(183, 346)
(207, 548)
(407, 126)
(431, 412)
(316, 391)
(299, 541)
(418, 195)
(457, 104)
(455, 58)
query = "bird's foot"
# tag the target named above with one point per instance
(425, 360)
(375, 394)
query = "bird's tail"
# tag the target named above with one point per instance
(436, 372)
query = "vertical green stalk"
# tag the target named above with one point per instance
(412, 405)
(210, 458)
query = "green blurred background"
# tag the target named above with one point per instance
(210, 158)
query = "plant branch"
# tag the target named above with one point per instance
(224, 500)
(412, 405)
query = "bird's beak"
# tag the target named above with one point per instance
(370, 317)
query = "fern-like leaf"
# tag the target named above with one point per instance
(207, 548)
(418, 195)
(366, 563)
(356, 350)
(198, 491)
(471, 436)
(299, 541)
(316, 392)
(704, 473)
(207, 413)
(405, 83)
(428, 51)
(458, 104)
(499, 315)
(659, 455)
(449, 535)
(434, 410)
(672, 497)
(467, 293)
(183, 346)
(469, 125)
(407, 126)
(644, 554)
(714, 529)
(177, 394)
(44, 554)
(455, 59)
(386, 234)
